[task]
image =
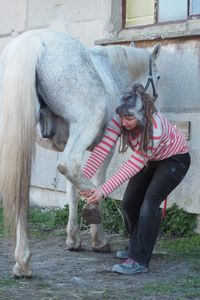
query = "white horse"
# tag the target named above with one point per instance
(51, 79)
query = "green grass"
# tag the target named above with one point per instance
(7, 282)
(186, 286)
(178, 222)
(185, 246)
(43, 220)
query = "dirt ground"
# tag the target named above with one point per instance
(60, 274)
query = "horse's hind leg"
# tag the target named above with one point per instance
(73, 237)
(22, 250)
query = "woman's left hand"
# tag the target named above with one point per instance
(95, 196)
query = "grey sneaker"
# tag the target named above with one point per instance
(129, 267)
(123, 254)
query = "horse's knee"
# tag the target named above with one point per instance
(62, 168)
(71, 169)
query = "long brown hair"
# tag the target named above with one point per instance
(143, 112)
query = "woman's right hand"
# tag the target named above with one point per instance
(86, 193)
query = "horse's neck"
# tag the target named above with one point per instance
(126, 64)
(129, 59)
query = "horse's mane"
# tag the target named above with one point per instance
(131, 57)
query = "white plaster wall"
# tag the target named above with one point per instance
(12, 16)
(187, 194)
(179, 89)
(84, 19)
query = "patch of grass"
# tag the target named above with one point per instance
(112, 216)
(187, 287)
(49, 220)
(43, 223)
(7, 282)
(182, 249)
(178, 222)
(187, 246)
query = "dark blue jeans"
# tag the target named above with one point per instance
(142, 199)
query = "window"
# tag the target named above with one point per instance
(194, 7)
(139, 12)
(171, 10)
(146, 12)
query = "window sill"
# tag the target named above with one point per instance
(155, 32)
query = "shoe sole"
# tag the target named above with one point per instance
(121, 273)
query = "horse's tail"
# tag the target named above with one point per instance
(17, 124)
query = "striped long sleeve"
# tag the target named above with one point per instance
(100, 152)
(165, 142)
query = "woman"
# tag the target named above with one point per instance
(157, 164)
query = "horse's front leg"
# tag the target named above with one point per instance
(99, 242)
(70, 166)
(71, 159)
(73, 237)
(22, 250)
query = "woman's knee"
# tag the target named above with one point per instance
(150, 207)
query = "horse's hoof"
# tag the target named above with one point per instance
(91, 213)
(21, 272)
(104, 249)
(15, 276)
(74, 249)
(74, 244)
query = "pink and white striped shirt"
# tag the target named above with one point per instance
(167, 141)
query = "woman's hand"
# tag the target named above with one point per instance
(96, 196)
(86, 193)
(93, 196)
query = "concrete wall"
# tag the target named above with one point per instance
(179, 90)
(88, 20)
